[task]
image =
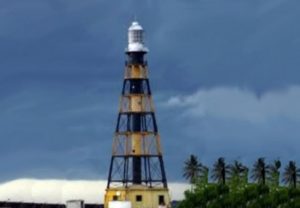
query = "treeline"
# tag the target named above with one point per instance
(264, 185)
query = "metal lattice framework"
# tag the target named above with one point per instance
(136, 152)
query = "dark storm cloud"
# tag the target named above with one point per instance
(253, 44)
(61, 68)
(243, 43)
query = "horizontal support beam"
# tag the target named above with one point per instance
(128, 133)
(143, 156)
(130, 181)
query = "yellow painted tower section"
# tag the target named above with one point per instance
(136, 143)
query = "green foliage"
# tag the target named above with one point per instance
(233, 190)
(249, 195)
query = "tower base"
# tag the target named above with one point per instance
(138, 195)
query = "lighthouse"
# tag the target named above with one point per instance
(136, 173)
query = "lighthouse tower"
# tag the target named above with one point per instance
(137, 172)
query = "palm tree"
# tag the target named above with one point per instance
(237, 172)
(245, 175)
(291, 174)
(203, 175)
(220, 170)
(192, 169)
(274, 172)
(259, 171)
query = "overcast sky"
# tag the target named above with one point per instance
(224, 73)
